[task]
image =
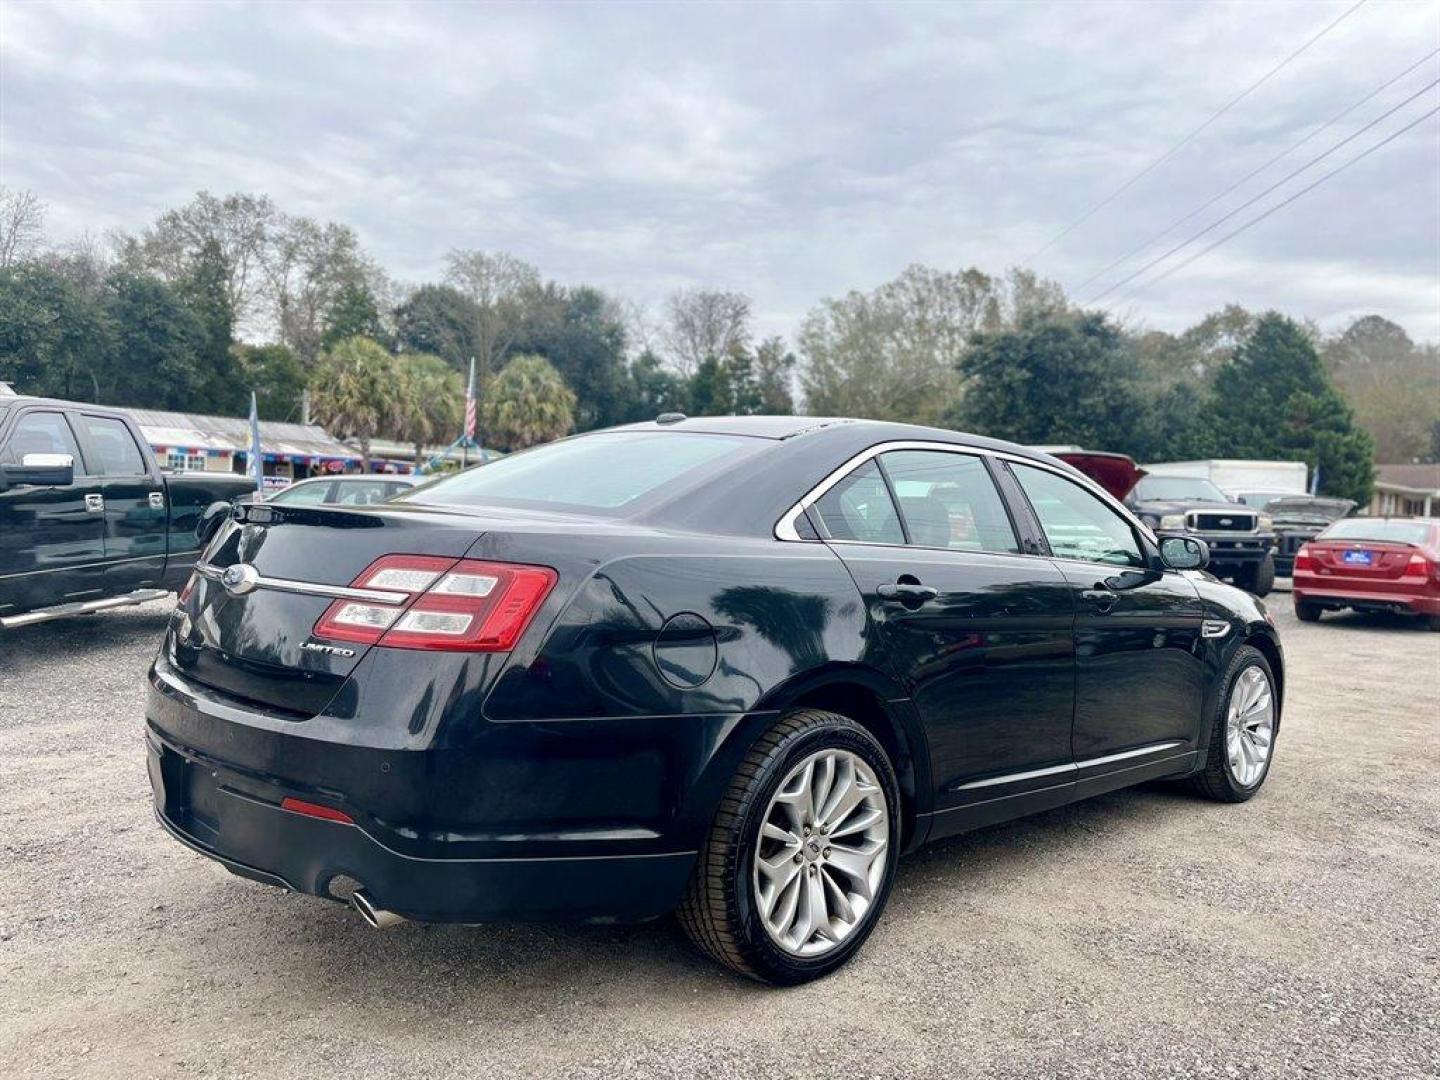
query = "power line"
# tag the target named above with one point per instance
(1176, 148)
(1256, 198)
(1278, 206)
(1253, 173)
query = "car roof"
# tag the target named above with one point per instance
(839, 429)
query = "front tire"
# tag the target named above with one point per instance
(1242, 731)
(800, 859)
(1258, 578)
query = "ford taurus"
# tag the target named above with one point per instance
(733, 668)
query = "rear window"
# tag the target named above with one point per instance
(1385, 532)
(606, 473)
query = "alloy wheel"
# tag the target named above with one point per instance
(822, 852)
(1250, 726)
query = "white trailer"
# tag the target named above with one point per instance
(1261, 481)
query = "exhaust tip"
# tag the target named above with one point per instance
(375, 918)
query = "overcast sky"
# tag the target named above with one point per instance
(791, 152)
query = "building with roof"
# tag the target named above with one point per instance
(194, 442)
(1406, 491)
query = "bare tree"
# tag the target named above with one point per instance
(22, 221)
(704, 322)
(244, 227)
(497, 283)
(307, 265)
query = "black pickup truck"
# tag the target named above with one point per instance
(87, 519)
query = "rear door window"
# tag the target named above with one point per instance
(304, 494)
(114, 446)
(859, 508)
(949, 501)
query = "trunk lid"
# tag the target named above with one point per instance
(1362, 559)
(1116, 473)
(257, 645)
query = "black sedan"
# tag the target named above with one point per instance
(731, 667)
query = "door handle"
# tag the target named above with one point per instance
(1103, 599)
(94, 504)
(910, 593)
(157, 500)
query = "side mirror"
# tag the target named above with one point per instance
(1184, 552)
(40, 470)
(210, 521)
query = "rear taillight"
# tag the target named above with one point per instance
(1419, 566)
(463, 605)
(189, 587)
(1304, 558)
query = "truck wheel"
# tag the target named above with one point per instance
(1307, 611)
(799, 862)
(1257, 578)
(1242, 731)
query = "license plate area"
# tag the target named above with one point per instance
(1358, 558)
(191, 793)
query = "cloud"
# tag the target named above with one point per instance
(791, 151)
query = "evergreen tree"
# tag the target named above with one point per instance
(1275, 400)
(205, 291)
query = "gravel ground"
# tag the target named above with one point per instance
(1144, 933)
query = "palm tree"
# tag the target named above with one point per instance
(353, 392)
(431, 401)
(528, 403)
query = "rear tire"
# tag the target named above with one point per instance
(1433, 622)
(1307, 611)
(1226, 777)
(722, 909)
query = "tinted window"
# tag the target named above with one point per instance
(949, 501)
(1391, 532)
(605, 472)
(859, 508)
(303, 494)
(1077, 523)
(114, 446)
(41, 433)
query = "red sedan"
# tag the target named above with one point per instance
(1371, 564)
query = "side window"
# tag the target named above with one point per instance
(41, 433)
(114, 445)
(361, 492)
(1076, 523)
(859, 508)
(949, 501)
(304, 494)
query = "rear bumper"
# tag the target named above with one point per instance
(1365, 597)
(235, 818)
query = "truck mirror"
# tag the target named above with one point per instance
(40, 470)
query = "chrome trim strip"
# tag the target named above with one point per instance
(1075, 766)
(310, 588)
(1125, 755)
(785, 527)
(1012, 778)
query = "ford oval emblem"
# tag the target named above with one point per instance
(1227, 521)
(240, 579)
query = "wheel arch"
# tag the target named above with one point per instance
(879, 705)
(1269, 648)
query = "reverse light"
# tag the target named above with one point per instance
(461, 605)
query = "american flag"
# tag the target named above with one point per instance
(470, 402)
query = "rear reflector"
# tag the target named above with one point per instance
(315, 810)
(461, 605)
